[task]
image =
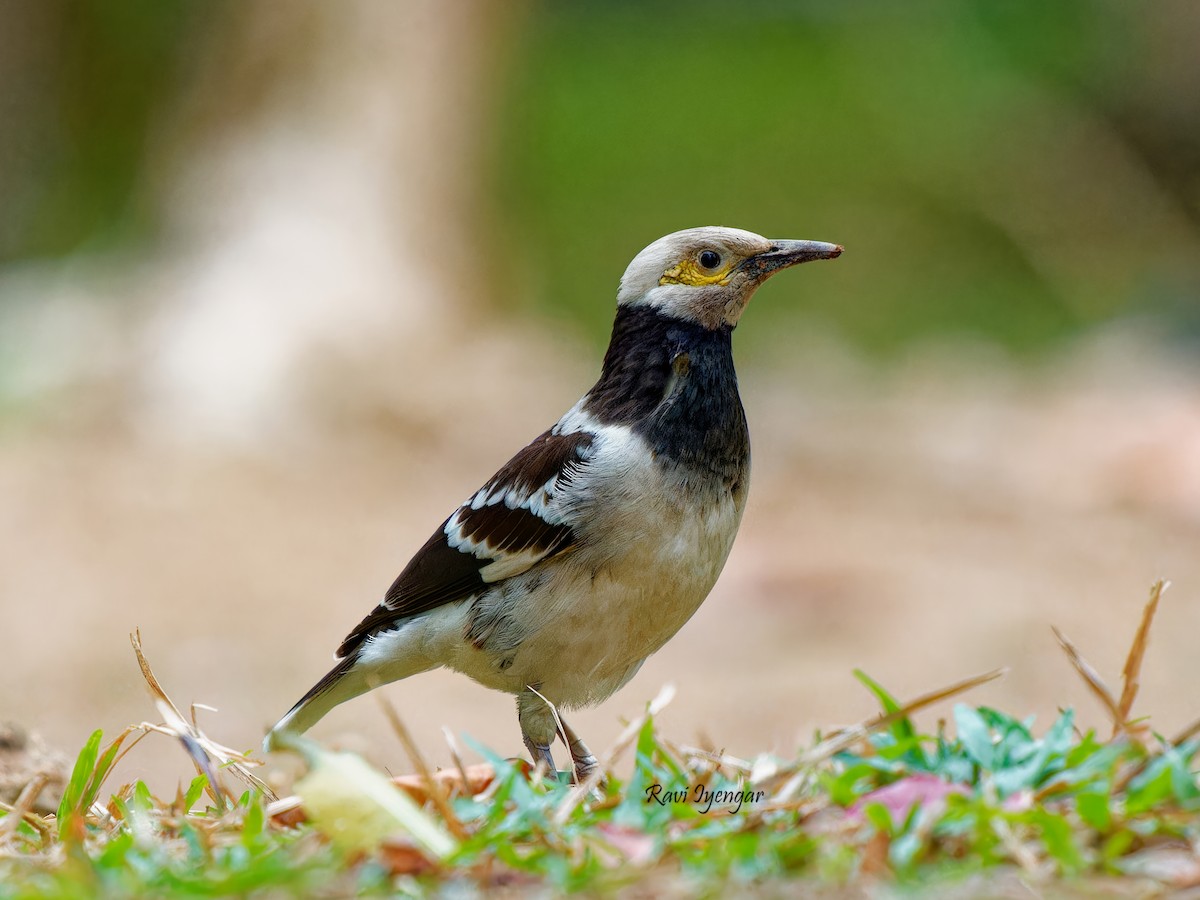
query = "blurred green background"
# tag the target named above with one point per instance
(1015, 171)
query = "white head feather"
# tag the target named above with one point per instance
(698, 274)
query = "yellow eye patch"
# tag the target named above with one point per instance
(691, 273)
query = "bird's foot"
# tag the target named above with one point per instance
(584, 767)
(541, 753)
(584, 760)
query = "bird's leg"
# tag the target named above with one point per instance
(540, 752)
(537, 728)
(583, 758)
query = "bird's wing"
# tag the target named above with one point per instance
(509, 525)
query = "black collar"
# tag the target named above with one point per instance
(673, 382)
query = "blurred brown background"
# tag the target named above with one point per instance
(280, 285)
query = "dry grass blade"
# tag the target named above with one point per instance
(285, 805)
(1090, 676)
(558, 725)
(22, 809)
(1186, 734)
(1137, 653)
(791, 787)
(206, 753)
(174, 720)
(1119, 710)
(841, 741)
(577, 795)
(793, 777)
(455, 754)
(1019, 851)
(624, 740)
(714, 757)
(431, 785)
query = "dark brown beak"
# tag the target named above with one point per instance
(787, 253)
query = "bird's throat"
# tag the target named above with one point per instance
(674, 383)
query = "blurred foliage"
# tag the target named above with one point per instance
(83, 83)
(1013, 171)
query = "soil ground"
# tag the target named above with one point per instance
(922, 526)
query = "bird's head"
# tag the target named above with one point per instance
(707, 275)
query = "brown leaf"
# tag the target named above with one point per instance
(478, 778)
(287, 812)
(875, 855)
(402, 857)
(434, 790)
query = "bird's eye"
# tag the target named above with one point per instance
(710, 259)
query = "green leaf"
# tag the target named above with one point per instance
(1013, 733)
(1045, 756)
(1151, 787)
(1058, 840)
(115, 852)
(194, 841)
(1183, 780)
(81, 775)
(1117, 845)
(858, 778)
(194, 792)
(902, 728)
(1093, 808)
(903, 850)
(1092, 762)
(100, 773)
(974, 735)
(877, 814)
(252, 824)
(143, 800)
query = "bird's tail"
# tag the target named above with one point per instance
(388, 657)
(340, 684)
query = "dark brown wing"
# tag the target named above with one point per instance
(512, 523)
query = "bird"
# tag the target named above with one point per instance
(590, 548)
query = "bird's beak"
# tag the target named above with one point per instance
(782, 254)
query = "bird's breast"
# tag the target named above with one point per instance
(652, 533)
(651, 547)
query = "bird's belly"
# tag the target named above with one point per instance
(601, 639)
(604, 609)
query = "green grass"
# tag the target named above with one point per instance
(990, 798)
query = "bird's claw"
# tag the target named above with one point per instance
(585, 766)
(585, 762)
(541, 753)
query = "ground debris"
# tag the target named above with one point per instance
(25, 758)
